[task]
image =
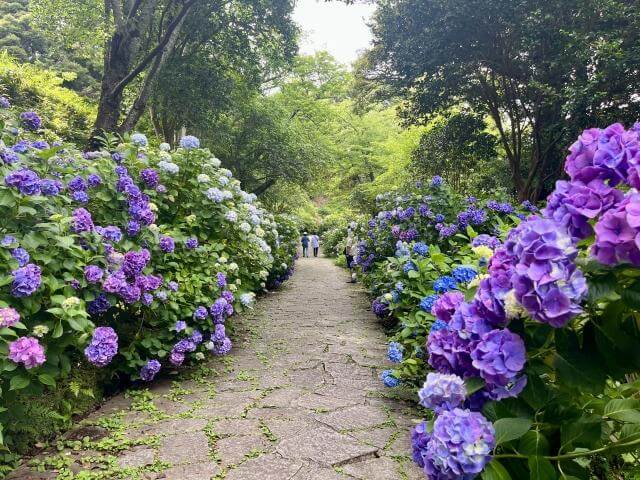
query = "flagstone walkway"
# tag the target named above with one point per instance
(298, 398)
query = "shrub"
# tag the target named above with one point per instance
(540, 324)
(129, 259)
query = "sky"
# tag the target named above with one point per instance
(333, 26)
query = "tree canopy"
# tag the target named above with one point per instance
(541, 70)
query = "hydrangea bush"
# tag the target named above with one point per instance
(528, 327)
(130, 258)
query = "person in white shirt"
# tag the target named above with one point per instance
(315, 244)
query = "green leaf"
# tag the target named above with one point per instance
(495, 471)
(541, 469)
(577, 367)
(631, 296)
(473, 384)
(19, 382)
(584, 432)
(533, 443)
(413, 274)
(508, 429)
(58, 330)
(47, 379)
(624, 410)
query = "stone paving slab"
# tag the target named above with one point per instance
(298, 398)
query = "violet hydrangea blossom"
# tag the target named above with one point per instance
(150, 370)
(442, 392)
(26, 280)
(103, 346)
(28, 351)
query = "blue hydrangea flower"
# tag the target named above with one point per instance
(427, 302)
(189, 142)
(438, 325)
(439, 218)
(139, 140)
(409, 266)
(388, 379)
(436, 181)
(444, 284)
(395, 352)
(421, 248)
(464, 274)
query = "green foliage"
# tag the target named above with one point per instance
(236, 237)
(65, 112)
(528, 65)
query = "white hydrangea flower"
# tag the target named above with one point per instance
(70, 302)
(154, 228)
(247, 299)
(284, 266)
(215, 162)
(226, 173)
(223, 180)
(168, 167)
(245, 227)
(231, 216)
(165, 156)
(232, 287)
(165, 147)
(264, 274)
(199, 356)
(233, 266)
(203, 178)
(259, 232)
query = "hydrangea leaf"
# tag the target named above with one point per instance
(541, 469)
(495, 471)
(624, 410)
(508, 429)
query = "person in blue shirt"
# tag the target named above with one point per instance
(305, 245)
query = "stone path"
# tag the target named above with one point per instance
(298, 399)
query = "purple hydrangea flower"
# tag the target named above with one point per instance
(445, 305)
(98, 306)
(379, 308)
(93, 273)
(147, 298)
(574, 204)
(94, 180)
(25, 180)
(167, 245)
(77, 184)
(221, 280)
(420, 437)
(8, 317)
(191, 243)
(173, 286)
(442, 392)
(200, 313)
(103, 346)
(134, 262)
(50, 187)
(180, 325)
(150, 370)
(8, 156)
(176, 358)
(133, 228)
(4, 102)
(500, 357)
(449, 353)
(546, 281)
(111, 233)
(618, 233)
(436, 181)
(219, 333)
(228, 296)
(459, 446)
(30, 120)
(150, 177)
(28, 351)
(21, 255)
(223, 347)
(82, 221)
(487, 240)
(26, 280)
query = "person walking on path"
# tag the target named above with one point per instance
(315, 244)
(349, 249)
(305, 245)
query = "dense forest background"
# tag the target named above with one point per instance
(486, 94)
